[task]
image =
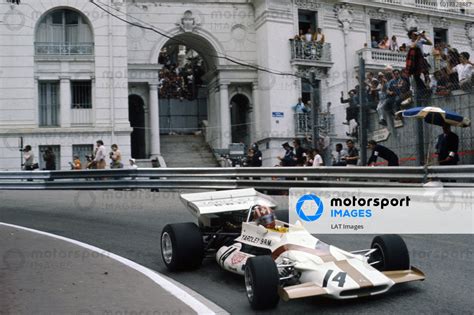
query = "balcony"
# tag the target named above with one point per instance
(82, 117)
(310, 54)
(304, 123)
(440, 6)
(64, 49)
(378, 59)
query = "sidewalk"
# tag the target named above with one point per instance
(44, 275)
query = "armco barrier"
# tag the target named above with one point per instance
(271, 178)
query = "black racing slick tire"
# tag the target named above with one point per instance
(392, 253)
(182, 246)
(262, 282)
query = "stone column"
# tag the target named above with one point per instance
(154, 107)
(226, 136)
(65, 102)
(256, 129)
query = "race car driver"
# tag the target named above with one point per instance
(264, 215)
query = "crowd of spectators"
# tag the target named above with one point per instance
(391, 90)
(180, 82)
(309, 44)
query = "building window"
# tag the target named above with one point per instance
(307, 20)
(48, 104)
(82, 151)
(440, 36)
(57, 156)
(378, 30)
(64, 32)
(81, 94)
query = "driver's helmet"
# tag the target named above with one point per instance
(264, 215)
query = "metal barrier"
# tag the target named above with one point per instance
(270, 178)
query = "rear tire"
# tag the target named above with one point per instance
(392, 253)
(261, 282)
(182, 246)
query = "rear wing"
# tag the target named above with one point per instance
(216, 202)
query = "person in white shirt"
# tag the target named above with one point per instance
(308, 37)
(464, 71)
(100, 155)
(317, 160)
(133, 164)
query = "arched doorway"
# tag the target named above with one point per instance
(240, 118)
(187, 63)
(136, 114)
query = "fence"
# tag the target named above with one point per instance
(402, 140)
(264, 178)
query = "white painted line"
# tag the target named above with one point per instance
(179, 293)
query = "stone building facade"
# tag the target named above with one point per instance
(71, 73)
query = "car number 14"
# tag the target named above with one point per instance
(340, 278)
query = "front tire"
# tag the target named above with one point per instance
(392, 253)
(182, 246)
(262, 282)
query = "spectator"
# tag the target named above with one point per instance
(436, 52)
(255, 160)
(384, 43)
(100, 154)
(381, 106)
(403, 48)
(76, 163)
(308, 37)
(90, 162)
(447, 147)
(405, 90)
(300, 108)
(464, 71)
(317, 159)
(300, 153)
(289, 158)
(300, 35)
(49, 159)
(383, 152)
(394, 91)
(339, 156)
(394, 44)
(352, 111)
(116, 157)
(28, 158)
(440, 84)
(416, 63)
(318, 36)
(132, 164)
(375, 42)
(373, 93)
(352, 153)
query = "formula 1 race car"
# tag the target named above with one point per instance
(283, 260)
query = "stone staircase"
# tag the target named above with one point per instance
(186, 151)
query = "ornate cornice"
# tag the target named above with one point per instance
(308, 4)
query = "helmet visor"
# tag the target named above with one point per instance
(266, 219)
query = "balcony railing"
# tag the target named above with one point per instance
(81, 116)
(383, 57)
(64, 49)
(379, 58)
(304, 123)
(310, 51)
(458, 7)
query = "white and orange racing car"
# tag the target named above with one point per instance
(277, 259)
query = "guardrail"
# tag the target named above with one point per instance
(269, 178)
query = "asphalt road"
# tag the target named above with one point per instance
(128, 223)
